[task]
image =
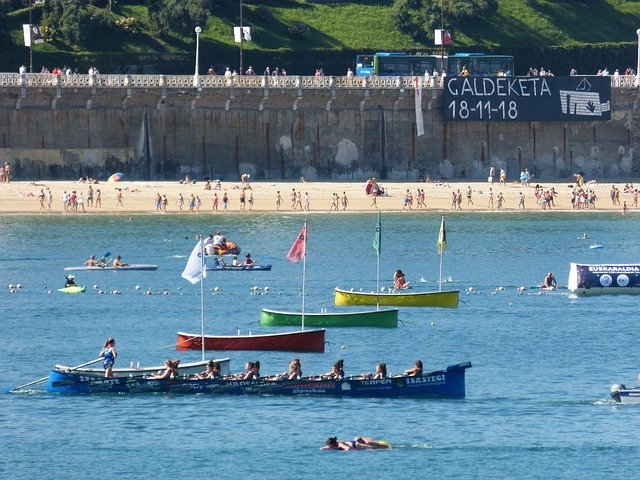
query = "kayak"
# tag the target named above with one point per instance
(73, 289)
(131, 266)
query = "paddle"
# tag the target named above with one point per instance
(45, 378)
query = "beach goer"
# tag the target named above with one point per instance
(415, 370)
(91, 262)
(70, 282)
(117, 262)
(550, 281)
(108, 354)
(399, 280)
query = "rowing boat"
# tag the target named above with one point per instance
(299, 341)
(446, 299)
(604, 279)
(449, 383)
(621, 394)
(238, 268)
(371, 318)
(131, 266)
(73, 289)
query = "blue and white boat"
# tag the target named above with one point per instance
(620, 393)
(449, 383)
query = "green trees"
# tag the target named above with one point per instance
(419, 18)
(178, 15)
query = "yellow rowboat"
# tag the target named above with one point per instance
(446, 299)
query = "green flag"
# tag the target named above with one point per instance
(377, 237)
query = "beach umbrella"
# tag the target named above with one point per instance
(116, 177)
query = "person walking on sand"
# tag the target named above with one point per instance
(98, 198)
(469, 191)
(278, 201)
(225, 201)
(490, 199)
(119, 198)
(49, 200)
(345, 201)
(293, 198)
(216, 200)
(41, 197)
(306, 202)
(521, 201)
(180, 202)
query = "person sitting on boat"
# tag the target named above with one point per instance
(336, 373)
(170, 370)
(70, 282)
(399, 280)
(92, 262)
(248, 260)
(108, 354)
(212, 371)
(550, 282)
(295, 370)
(381, 371)
(117, 262)
(235, 262)
(218, 240)
(415, 370)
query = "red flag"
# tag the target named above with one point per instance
(299, 248)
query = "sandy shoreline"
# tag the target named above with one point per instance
(139, 197)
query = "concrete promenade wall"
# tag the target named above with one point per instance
(48, 132)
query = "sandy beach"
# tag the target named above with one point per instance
(139, 197)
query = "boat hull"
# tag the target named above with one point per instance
(133, 266)
(604, 279)
(622, 394)
(239, 268)
(447, 299)
(76, 289)
(300, 341)
(375, 318)
(449, 383)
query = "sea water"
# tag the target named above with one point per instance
(537, 403)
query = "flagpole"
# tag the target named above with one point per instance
(442, 245)
(440, 281)
(304, 269)
(202, 276)
(378, 235)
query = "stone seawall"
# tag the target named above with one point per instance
(156, 133)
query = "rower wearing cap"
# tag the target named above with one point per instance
(92, 262)
(70, 281)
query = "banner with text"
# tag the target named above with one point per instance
(579, 98)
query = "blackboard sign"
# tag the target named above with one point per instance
(577, 98)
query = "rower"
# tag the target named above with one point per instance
(399, 280)
(92, 262)
(117, 262)
(70, 281)
(248, 260)
(550, 281)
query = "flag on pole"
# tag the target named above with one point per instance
(442, 238)
(377, 237)
(299, 248)
(194, 271)
(418, 105)
(31, 34)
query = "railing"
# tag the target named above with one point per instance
(240, 81)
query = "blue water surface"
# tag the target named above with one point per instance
(537, 403)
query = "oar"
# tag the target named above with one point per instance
(45, 378)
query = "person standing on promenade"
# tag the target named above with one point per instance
(503, 177)
(492, 173)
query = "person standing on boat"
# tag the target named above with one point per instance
(108, 354)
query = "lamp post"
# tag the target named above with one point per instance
(638, 66)
(196, 78)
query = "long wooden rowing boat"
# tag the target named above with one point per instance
(449, 382)
(131, 266)
(298, 341)
(445, 299)
(387, 318)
